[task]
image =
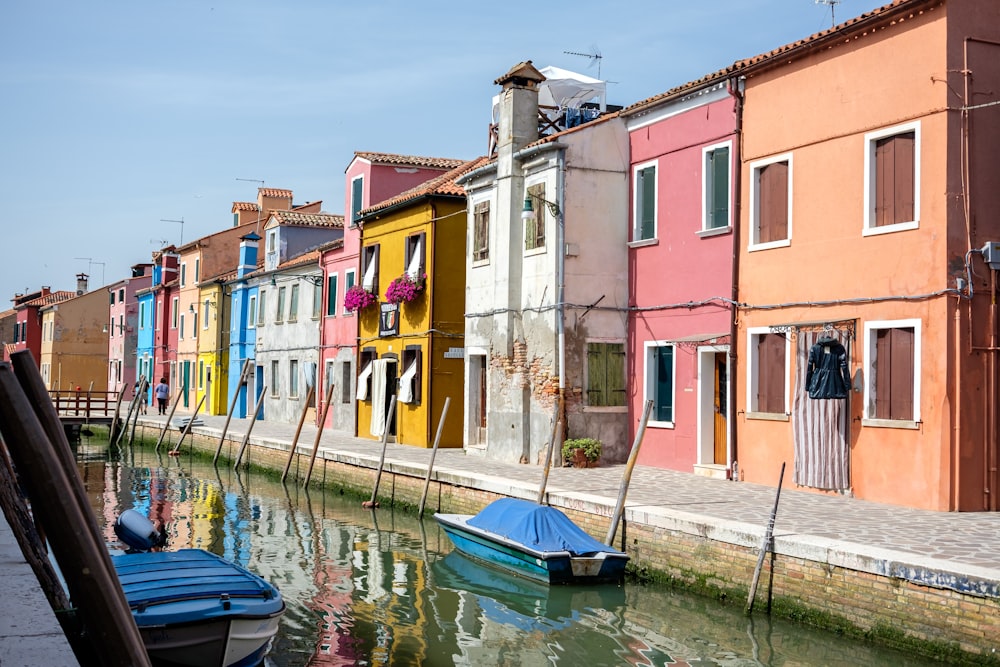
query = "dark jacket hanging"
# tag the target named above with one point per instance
(827, 375)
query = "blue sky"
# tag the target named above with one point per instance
(116, 115)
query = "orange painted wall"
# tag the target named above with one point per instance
(818, 109)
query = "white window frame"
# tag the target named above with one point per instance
(252, 312)
(293, 378)
(174, 311)
(207, 304)
(871, 328)
(350, 210)
(706, 190)
(649, 382)
(180, 328)
(753, 373)
(637, 199)
(350, 280)
(871, 138)
(183, 274)
(755, 168)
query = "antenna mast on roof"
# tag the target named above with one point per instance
(833, 6)
(595, 57)
(255, 180)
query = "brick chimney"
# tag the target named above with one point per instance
(81, 283)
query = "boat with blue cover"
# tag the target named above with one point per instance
(196, 609)
(534, 541)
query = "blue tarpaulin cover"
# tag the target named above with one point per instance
(540, 527)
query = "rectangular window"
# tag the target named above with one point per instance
(414, 255)
(365, 359)
(204, 313)
(201, 375)
(345, 382)
(771, 202)
(293, 303)
(768, 369)
(274, 378)
(317, 300)
(659, 384)
(481, 232)
(197, 269)
(369, 261)
(174, 312)
(142, 316)
(892, 174)
(357, 197)
(605, 374)
(183, 274)
(180, 329)
(271, 240)
(112, 293)
(252, 312)
(644, 202)
(121, 295)
(412, 378)
(194, 325)
(331, 295)
(280, 314)
(121, 326)
(293, 378)
(261, 309)
(892, 363)
(715, 186)
(534, 225)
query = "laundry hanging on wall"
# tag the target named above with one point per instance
(827, 372)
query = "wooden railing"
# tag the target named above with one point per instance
(86, 404)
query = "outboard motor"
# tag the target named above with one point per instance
(138, 532)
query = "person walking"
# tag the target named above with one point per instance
(142, 396)
(162, 393)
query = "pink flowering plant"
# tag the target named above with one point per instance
(405, 288)
(358, 298)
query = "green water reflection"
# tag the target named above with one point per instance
(382, 588)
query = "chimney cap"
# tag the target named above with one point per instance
(523, 74)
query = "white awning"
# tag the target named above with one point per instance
(368, 282)
(406, 383)
(362, 392)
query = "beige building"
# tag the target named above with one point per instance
(74, 348)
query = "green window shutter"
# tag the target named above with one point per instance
(331, 295)
(597, 374)
(663, 402)
(616, 374)
(647, 206)
(357, 191)
(719, 212)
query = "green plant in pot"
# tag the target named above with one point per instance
(581, 452)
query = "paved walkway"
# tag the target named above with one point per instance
(965, 544)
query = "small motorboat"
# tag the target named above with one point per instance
(192, 607)
(534, 541)
(180, 423)
(197, 609)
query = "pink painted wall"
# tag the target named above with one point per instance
(680, 267)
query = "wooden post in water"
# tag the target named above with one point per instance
(143, 386)
(173, 407)
(381, 462)
(132, 405)
(319, 434)
(187, 427)
(298, 431)
(616, 517)
(232, 408)
(37, 443)
(765, 545)
(556, 436)
(246, 436)
(113, 430)
(434, 451)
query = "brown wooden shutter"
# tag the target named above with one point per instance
(534, 230)
(481, 231)
(894, 373)
(772, 184)
(771, 373)
(895, 169)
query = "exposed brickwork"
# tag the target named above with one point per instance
(867, 601)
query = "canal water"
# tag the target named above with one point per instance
(380, 587)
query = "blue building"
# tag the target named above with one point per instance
(243, 327)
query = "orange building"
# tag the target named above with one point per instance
(868, 220)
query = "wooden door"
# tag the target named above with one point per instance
(721, 385)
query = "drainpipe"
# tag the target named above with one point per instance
(561, 293)
(736, 88)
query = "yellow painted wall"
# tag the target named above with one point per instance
(77, 347)
(213, 348)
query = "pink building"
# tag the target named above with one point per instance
(124, 316)
(370, 178)
(683, 151)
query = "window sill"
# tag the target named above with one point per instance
(643, 243)
(889, 229)
(614, 409)
(476, 263)
(768, 416)
(654, 424)
(718, 231)
(784, 243)
(892, 423)
(530, 252)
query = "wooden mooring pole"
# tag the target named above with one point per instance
(434, 450)
(187, 427)
(166, 426)
(381, 462)
(319, 434)
(246, 436)
(765, 546)
(616, 517)
(298, 431)
(232, 409)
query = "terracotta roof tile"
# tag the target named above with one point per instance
(783, 54)
(306, 258)
(298, 219)
(275, 192)
(49, 299)
(409, 160)
(244, 206)
(440, 185)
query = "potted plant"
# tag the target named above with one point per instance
(581, 452)
(405, 288)
(358, 298)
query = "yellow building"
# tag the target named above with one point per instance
(74, 348)
(213, 346)
(411, 340)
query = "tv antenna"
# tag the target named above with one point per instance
(261, 184)
(160, 242)
(833, 7)
(90, 266)
(595, 57)
(181, 221)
